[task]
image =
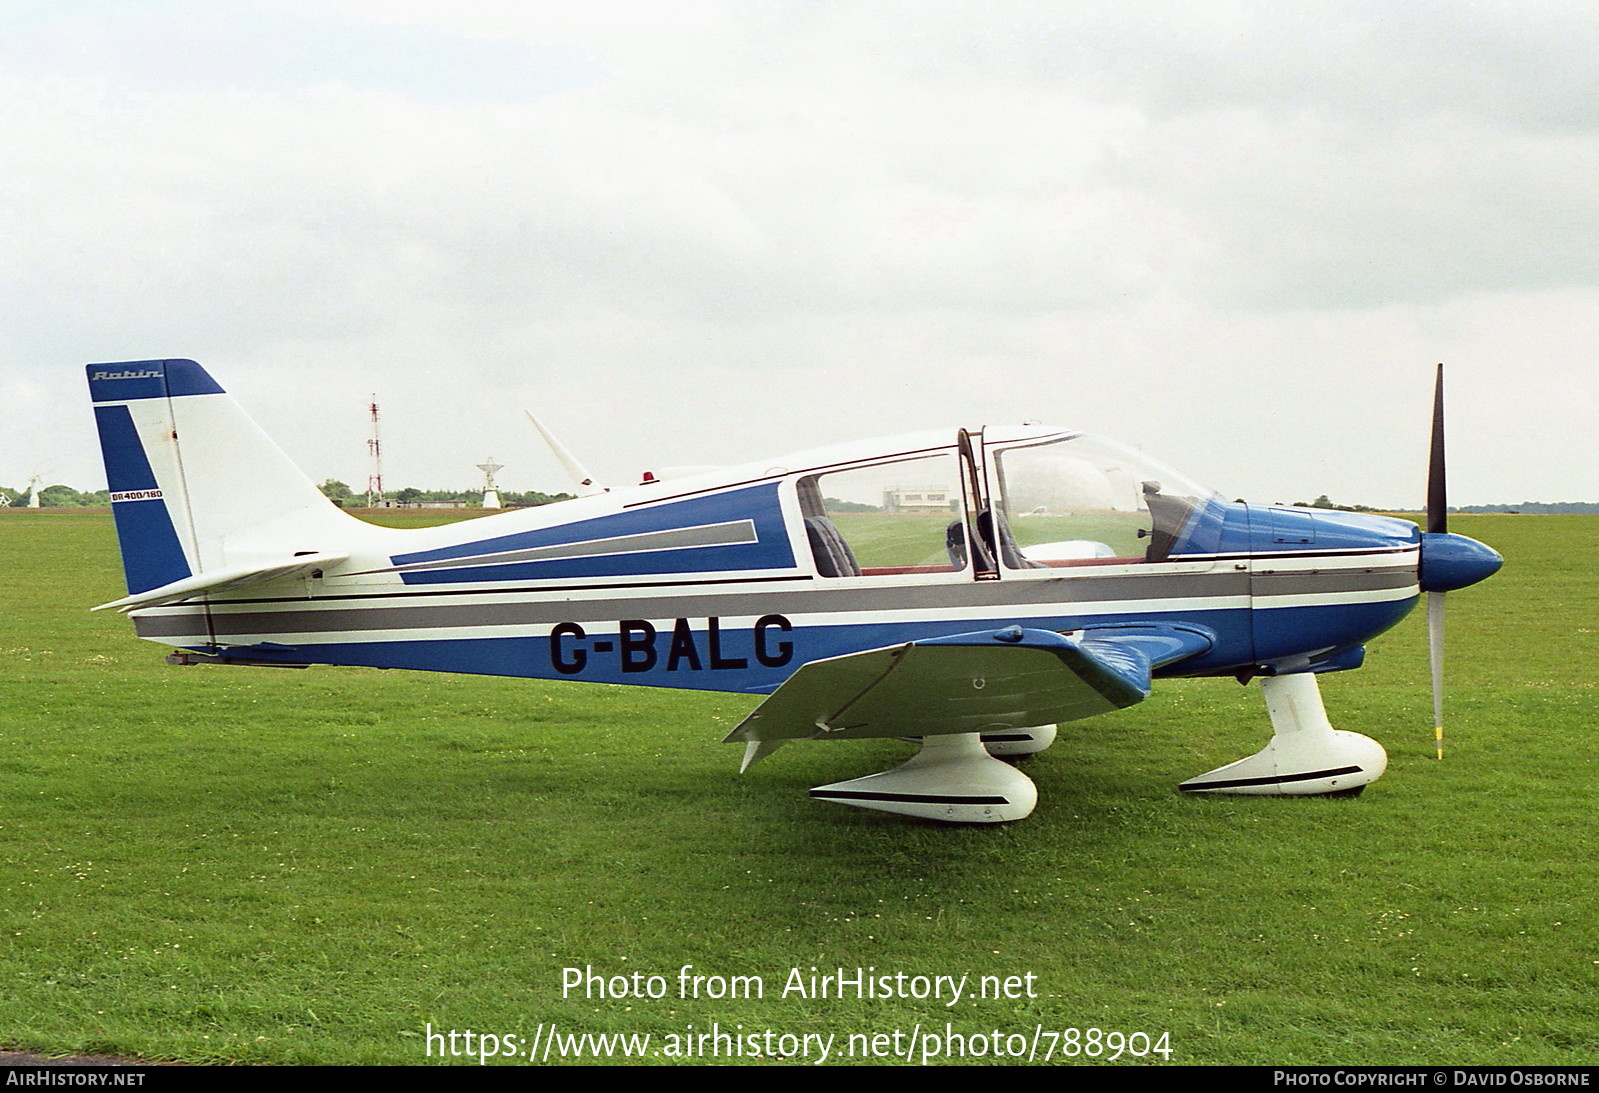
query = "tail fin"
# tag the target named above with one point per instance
(196, 486)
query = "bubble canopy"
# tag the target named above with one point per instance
(1079, 496)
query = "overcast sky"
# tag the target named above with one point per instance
(1237, 235)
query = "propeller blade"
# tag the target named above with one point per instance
(1435, 658)
(1437, 521)
(1437, 494)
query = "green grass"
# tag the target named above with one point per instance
(261, 865)
(892, 539)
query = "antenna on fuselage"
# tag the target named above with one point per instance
(576, 471)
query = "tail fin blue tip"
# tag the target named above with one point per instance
(124, 381)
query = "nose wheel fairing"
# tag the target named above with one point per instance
(1306, 756)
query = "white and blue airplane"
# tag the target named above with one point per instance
(971, 589)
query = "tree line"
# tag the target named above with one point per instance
(59, 497)
(65, 497)
(341, 494)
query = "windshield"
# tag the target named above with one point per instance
(1082, 498)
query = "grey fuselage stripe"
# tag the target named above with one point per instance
(731, 533)
(1312, 584)
(1079, 593)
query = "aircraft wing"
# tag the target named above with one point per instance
(219, 580)
(992, 679)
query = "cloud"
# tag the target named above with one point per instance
(716, 227)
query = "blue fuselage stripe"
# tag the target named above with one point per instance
(705, 654)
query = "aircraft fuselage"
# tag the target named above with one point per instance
(720, 582)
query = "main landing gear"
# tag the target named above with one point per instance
(957, 779)
(954, 778)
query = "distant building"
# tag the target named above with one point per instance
(925, 499)
(390, 503)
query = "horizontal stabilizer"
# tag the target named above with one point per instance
(222, 580)
(1010, 678)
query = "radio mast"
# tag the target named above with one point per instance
(374, 481)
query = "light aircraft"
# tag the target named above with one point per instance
(972, 589)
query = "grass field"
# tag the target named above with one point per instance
(277, 866)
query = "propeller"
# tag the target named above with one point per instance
(1437, 524)
(1447, 562)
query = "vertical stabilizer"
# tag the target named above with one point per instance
(195, 484)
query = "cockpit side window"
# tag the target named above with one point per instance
(889, 518)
